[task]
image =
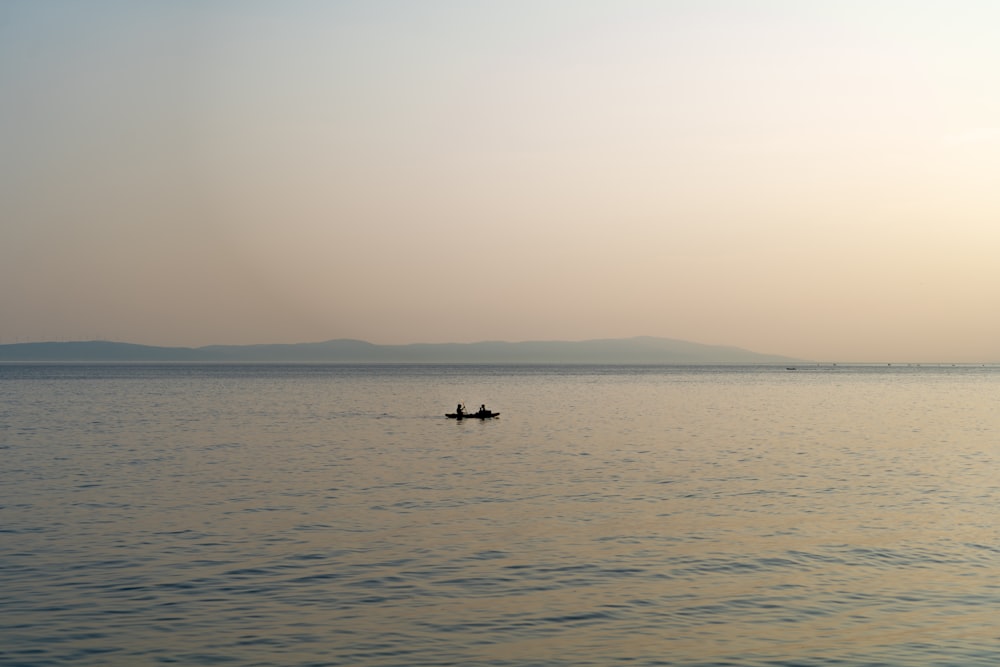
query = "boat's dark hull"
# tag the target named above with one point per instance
(473, 415)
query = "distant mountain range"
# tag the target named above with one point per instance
(640, 350)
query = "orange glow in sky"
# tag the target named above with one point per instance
(813, 179)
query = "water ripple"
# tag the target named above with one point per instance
(718, 518)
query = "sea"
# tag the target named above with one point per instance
(611, 515)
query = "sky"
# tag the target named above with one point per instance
(808, 178)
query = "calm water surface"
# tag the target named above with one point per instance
(331, 515)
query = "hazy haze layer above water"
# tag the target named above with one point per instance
(331, 515)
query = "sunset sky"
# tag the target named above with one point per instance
(814, 179)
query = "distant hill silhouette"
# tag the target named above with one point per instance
(640, 350)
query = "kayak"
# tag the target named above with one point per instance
(489, 414)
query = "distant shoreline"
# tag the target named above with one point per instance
(620, 351)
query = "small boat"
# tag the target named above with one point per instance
(488, 414)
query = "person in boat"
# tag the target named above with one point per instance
(482, 409)
(459, 410)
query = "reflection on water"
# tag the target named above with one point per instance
(332, 515)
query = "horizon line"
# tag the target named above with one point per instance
(788, 360)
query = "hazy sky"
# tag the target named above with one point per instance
(817, 179)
